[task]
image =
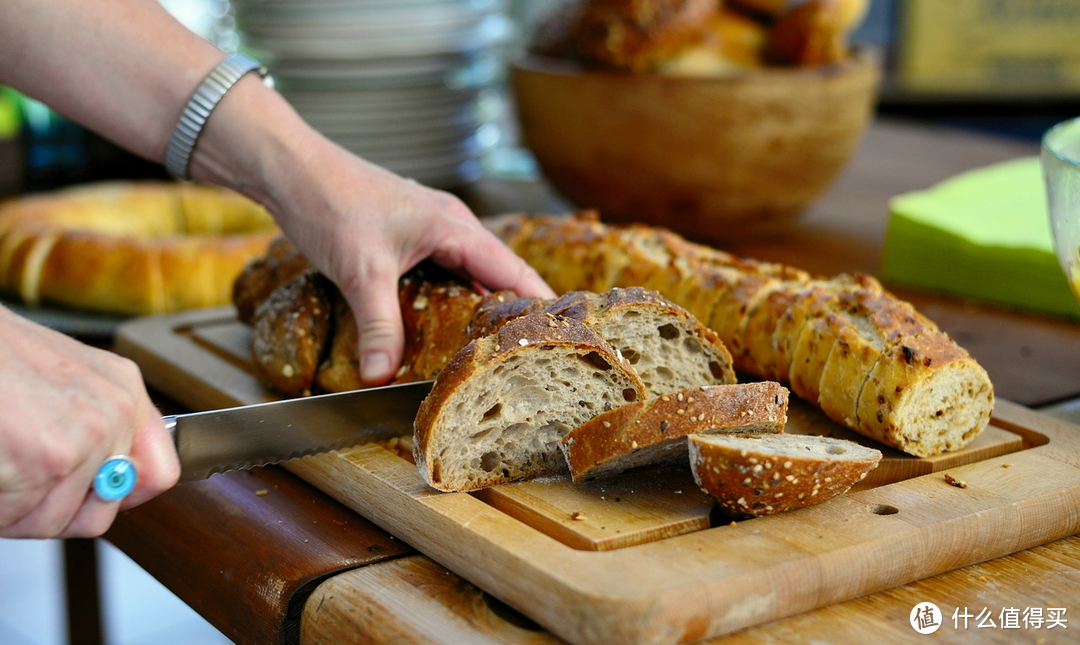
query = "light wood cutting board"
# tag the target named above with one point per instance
(645, 559)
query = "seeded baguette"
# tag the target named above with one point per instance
(654, 431)
(755, 475)
(497, 411)
(817, 339)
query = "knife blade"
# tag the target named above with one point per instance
(266, 433)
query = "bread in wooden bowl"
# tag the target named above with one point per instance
(130, 247)
(497, 411)
(654, 431)
(755, 475)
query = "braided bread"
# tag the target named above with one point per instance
(869, 360)
(130, 248)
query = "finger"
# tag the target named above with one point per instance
(154, 456)
(92, 518)
(488, 260)
(58, 509)
(379, 327)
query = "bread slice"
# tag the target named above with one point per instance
(669, 348)
(754, 475)
(498, 410)
(654, 431)
(926, 395)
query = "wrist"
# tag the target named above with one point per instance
(250, 138)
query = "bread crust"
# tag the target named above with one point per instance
(747, 478)
(811, 315)
(290, 333)
(654, 431)
(520, 340)
(131, 248)
(635, 34)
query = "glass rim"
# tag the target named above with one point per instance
(1053, 147)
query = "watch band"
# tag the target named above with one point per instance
(201, 105)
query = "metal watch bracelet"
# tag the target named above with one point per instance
(201, 105)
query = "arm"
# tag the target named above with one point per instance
(68, 407)
(126, 69)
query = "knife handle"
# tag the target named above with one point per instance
(116, 478)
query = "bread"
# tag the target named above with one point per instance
(497, 411)
(299, 352)
(697, 38)
(281, 262)
(837, 342)
(130, 248)
(755, 475)
(668, 347)
(654, 431)
(636, 34)
(290, 330)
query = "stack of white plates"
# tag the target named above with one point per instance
(412, 85)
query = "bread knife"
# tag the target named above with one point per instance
(266, 433)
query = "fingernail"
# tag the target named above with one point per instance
(374, 366)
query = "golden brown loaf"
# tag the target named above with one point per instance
(846, 344)
(132, 248)
(654, 431)
(764, 474)
(698, 37)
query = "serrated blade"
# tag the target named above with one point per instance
(266, 433)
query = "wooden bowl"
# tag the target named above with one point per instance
(712, 158)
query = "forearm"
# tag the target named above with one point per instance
(124, 68)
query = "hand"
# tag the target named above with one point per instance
(364, 227)
(67, 407)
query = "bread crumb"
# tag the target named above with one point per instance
(953, 481)
(1006, 465)
(982, 579)
(262, 492)
(578, 515)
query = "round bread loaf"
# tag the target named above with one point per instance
(130, 247)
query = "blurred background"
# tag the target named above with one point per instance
(420, 87)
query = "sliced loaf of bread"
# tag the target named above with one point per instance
(754, 475)
(654, 431)
(498, 409)
(670, 349)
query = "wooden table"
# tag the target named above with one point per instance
(265, 557)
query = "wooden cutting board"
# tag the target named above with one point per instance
(645, 559)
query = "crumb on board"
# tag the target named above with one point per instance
(578, 515)
(262, 492)
(1006, 465)
(953, 481)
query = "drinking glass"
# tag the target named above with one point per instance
(1060, 156)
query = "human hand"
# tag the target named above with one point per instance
(364, 227)
(67, 407)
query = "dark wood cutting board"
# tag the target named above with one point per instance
(646, 560)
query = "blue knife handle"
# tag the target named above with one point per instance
(116, 478)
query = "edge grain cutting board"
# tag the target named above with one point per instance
(662, 579)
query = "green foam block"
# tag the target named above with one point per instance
(983, 234)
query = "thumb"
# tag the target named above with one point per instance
(380, 331)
